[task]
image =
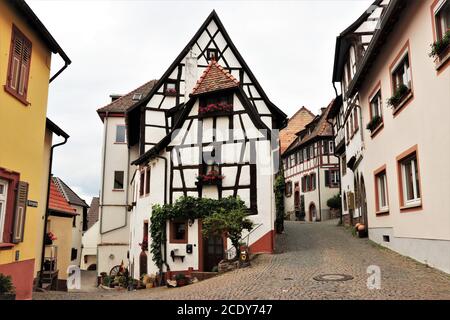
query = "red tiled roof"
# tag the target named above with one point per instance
(296, 123)
(57, 202)
(214, 78)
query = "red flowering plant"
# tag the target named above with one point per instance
(216, 107)
(171, 91)
(51, 236)
(212, 176)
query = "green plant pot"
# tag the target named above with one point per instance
(7, 296)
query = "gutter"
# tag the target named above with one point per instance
(46, 214)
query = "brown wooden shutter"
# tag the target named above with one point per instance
(17, 45)
(20, 212)
(24, 68)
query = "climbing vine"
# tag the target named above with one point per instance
(279, 187)
(185, 208)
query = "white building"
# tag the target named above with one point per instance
(311, 171)
(171, 133)
(90, 238)
(403, 95)
(115, 193)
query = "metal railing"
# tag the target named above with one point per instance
(231, 253)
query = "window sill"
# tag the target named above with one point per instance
(442, 60)
(375, 131)
(171, 94)
(120, 143)
(118, 190)
(384, 212)
(178, 241)
(6, 246)
(18, 97)
(403, 104)
(411, 207)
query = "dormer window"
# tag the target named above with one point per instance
(170, 88)
(211, 54)
(137, 96)
(216, 104)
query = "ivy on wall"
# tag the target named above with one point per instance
(185, 208)
(279, 188)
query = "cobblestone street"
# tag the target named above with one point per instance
(305, 251)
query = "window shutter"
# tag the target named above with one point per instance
(17, 44)
(20, 212)
(327, 178)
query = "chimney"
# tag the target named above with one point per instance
(114, 97)
(191, 74)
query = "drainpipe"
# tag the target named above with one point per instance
(318, 183)
(66, 64)
(339, 162)
(66, 137)
(166, 166)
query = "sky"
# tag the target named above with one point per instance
(118, 45)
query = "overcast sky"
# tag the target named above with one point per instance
(117, 45)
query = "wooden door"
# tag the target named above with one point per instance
(213, 252)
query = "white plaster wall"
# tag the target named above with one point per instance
(89, 245)
(77, 233)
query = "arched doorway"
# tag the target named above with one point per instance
(312, 212)
(363, 203)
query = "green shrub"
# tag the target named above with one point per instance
(440, 45)
(6, 284)
(334, 202)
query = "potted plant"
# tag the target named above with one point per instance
(215, 107)
(49, 238)
(401, 91)
(440, 47)
(7, 290)
(181, 280)
(212, 177)
(171, 91)
(374, 123)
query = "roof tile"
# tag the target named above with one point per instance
(214, 78)
(57, 202)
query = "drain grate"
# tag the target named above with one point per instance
(333, 277)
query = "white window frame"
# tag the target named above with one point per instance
(403, 59)
(3, 202)
(416, 200)
(379, 105)
(334, 177)
(382, 185)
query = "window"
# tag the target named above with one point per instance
(226, 99)
(3, 199)
(74, 254)
(381, 195)
(121, 134)
(300, 157)
(353, 60)
(348, 131)
(211, 54)
(178, 232)
(137, 96)
(142, 183)
(344, 165)
(288, 189)
(305, 155)
(355, 119)
(331, 147)
(442, 20)
(313, 182)
(118, 180)
(334, 178)
(170, 88)
(402, 74)
(325, 148)
(375, 105)
(74, 222)
(352, 124)
(345, 201)
(410, 185)
(19, 66)
(147, 181)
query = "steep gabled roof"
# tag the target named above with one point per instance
(57, 202)
(297, 122)
(184, 114)
(93, 211)
(321, 128)
(279, 115)
(68, 193)
(215, 78)
(123, 103)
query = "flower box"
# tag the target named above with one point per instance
(400, 93)
(374, 123)
(215, 109)
(211, 178)
(171, 92)
(440, 48)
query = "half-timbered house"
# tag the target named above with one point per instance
(311, 170)
(205, 130)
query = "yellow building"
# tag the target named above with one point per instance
(26, 49)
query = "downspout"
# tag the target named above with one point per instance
(166, 166)
(47, 206)
(339, 162)
(103, 172)
(318, 183)
(66, 64)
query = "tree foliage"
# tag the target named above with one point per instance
(334, 202)
(279, 187)
(229, 223)
(185, 208)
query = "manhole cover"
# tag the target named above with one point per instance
(333, 277)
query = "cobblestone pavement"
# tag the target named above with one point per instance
(305, 251)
